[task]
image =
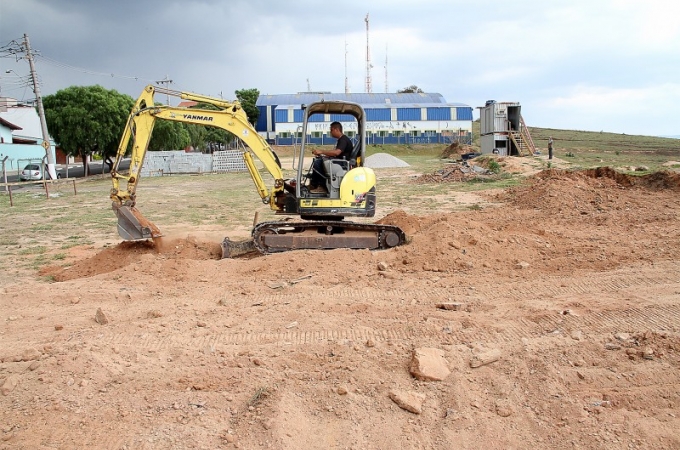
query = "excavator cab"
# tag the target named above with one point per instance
(350, 186)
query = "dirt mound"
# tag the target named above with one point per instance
(655, 181)
(409, 224)
(584, 191)
(455, 150)
(126, 253)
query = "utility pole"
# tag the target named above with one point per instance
(167, 81)
(41, 111)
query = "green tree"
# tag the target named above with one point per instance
(248, 99)
(413, 89)
(168, 135)
(206, 138)
(87, 120)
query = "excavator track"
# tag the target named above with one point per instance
(274, 237)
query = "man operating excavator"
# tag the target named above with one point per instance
(343, 150)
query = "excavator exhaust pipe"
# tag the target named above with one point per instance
(133, 226)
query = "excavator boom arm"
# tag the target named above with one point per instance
(229, 117)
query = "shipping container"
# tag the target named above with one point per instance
(499, 117)
(497, 143)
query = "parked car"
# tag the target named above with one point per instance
(31, 172)
(35, 172)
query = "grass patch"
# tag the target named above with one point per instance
(258, 396)
(39, 250)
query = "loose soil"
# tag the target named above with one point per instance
(572, 279)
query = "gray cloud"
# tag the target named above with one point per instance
(568, 62)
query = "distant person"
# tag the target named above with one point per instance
(550, 147)
(343, 150)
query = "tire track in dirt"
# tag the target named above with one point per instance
(612, 282)
(661, 318)
(215, 340)
(657, 318)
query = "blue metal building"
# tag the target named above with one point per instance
(413, 118)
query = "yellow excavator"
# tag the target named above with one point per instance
(350, 185)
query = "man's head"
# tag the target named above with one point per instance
(336, 129)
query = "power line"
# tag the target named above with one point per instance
(15, 49)
(91, 72)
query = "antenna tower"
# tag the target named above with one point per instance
(346, 81)
(387, 86)
(369, 87)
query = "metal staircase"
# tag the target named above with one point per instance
(522, 139)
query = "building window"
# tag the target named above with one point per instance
(430, 133)
(284, 135)
(317, 134)
(351, 134)
(298, 135)
(414, 133)
(382, 133)
(397, 133)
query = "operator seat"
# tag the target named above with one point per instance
(336, 170)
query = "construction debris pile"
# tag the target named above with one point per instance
(456, 150)
(455, 172)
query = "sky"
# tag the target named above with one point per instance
(593, 65)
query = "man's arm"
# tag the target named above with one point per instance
(330, 153)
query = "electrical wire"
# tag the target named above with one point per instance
(90, 72)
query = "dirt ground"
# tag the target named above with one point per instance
(562, 332)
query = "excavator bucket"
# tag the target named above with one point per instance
(133, 226)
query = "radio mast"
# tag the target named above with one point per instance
(346, 81)
(369, 87)
(387, 86)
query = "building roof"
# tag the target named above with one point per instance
(379, 100)
(187, 104)
(26, 117)
(9, 125)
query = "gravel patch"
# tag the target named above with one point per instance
(384, 160)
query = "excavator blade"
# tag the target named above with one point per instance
(232, 249)
(133, 226)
